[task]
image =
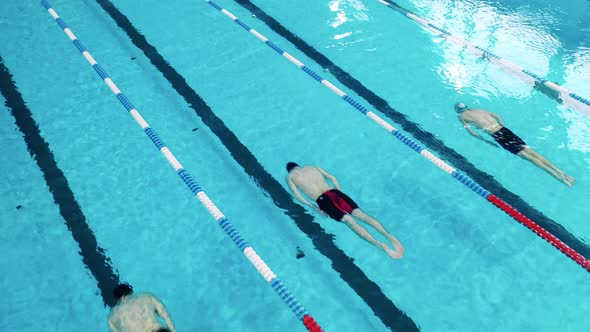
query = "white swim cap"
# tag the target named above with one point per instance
(460, 107)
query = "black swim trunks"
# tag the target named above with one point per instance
(163, 330)
(508, 140)
(336, 204)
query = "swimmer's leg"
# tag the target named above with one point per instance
(564, 177)
(541, 162)
(534, 154)
(360, 231)
(399, 249)
(533, 157)
(360, 214)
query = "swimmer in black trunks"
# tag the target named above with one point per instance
(138, 312)
(337, 205)
(494, 125)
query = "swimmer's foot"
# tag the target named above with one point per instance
(389, 252)
(568, 180)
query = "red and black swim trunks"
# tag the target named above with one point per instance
(336, 204)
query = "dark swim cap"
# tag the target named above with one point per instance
(121, 290)
(290, 166)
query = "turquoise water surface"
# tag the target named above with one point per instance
(468, 266)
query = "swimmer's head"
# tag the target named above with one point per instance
(122, 290)
(290, 166)
(461, 107)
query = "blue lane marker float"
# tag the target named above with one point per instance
(193, 186)
(359, 107)
(568, 98)
(456, 174)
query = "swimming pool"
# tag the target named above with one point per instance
(468, 265)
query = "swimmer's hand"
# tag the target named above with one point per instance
(485, 140)
(491, 143)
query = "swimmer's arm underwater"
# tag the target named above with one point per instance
(497, 117)
(467, 126)
(331, 177)
(296, 192)
(161, 310)
(300, 198)
(475, 134)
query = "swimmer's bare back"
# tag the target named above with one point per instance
(138, 313)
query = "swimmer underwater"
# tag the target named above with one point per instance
(493, 125)
(337, 205)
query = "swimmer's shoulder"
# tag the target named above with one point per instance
(143, 297)
(477, 111)
(474, 114)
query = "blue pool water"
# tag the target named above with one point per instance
(468, 266)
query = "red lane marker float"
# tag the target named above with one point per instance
(411, 143)
(540, 231)
(311, 324)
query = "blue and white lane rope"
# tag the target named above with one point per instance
(190, 182)
(464, 179)
(568, 98)
(399, 135)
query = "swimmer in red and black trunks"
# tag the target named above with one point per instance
(494, 125)
(337, 205)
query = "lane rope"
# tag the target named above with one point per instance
(190, 182)
(464, 179)
(568, 98)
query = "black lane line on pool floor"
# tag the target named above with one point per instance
(426, 138)
(369, 291)
(93, 255)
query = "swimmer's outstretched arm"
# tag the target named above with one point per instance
(161, 310)
(331, 177)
